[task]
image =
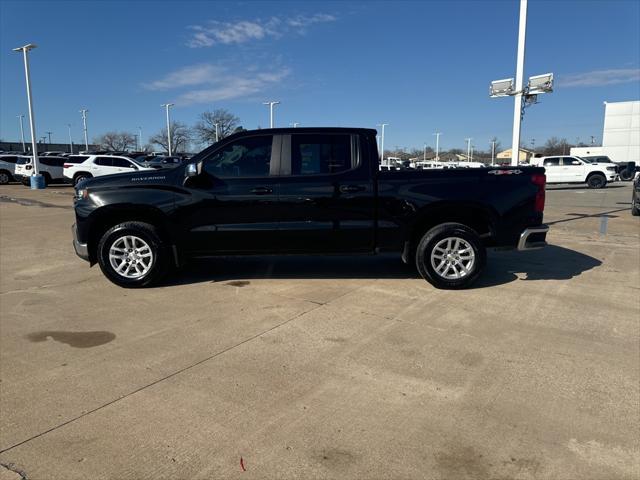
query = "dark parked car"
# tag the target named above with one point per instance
(307, 191)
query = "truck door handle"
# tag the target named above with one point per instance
(262, 190)
(351, 188)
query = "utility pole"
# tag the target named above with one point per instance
(493, 152)
(84, 128)
(468, 148)
(24, 148)
(32, 122)
(70, 142)
(437, 134)
(167, 106)
(382, 125)
(271, 105)
(49, 133)
(519, 86)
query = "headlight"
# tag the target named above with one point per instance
(82, 194)
(611, 169)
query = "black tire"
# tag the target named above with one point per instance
(597, 180)
(160, 262)
(81, 177)
(26, 181)
(5, 177)
(635, 211)
(626, 175)
(47, 179)
(443, 232)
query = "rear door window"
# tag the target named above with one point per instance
(316, 154)
(75, 159)
(9, 159)
(551, 162)
(122, 163)
(104, 161)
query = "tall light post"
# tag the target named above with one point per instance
(519, 85)
(70, 142)
(140, 139)
(493, 152)
(84, 127)
(424, 153)
(271, 105)
(32, 122)
(437, 134)
(217, 125)
(382, 125)
(167, 106)
(294, 124)
(468, 148)
(24, 148)
(49, 133)
(471, 153)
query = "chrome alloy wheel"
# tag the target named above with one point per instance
(130, 256)
(453, 258)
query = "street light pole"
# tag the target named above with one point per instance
(294, 124)
(382, 125)
(468, 148)
(424, 154)
(49, 133)
(217, 132)
(24, 148)
(472, 153)
(84, 128)
(271, 105)
(166, 106)
(139, 139)
(70, 142)
(32, 122)
(493, 152)
(437, 134)
(519, 86)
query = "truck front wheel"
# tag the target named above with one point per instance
(450, 256)
(597, 180)
(132, 254)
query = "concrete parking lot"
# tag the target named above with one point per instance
(340, 367)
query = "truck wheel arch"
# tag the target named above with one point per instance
(107, 217)
(479, 219)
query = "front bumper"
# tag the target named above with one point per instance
(81, 248)
(533, 238)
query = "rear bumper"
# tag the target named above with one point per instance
(81, 248)
(533, 238)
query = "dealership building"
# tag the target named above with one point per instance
(621, 134)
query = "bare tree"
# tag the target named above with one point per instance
(116, 141)
(181, 137)
(205, 129)
(556, 146)
(498, 144)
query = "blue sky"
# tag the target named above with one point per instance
(421, 66)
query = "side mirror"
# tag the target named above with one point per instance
(191, 170)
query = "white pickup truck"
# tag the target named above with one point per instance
(571, 169)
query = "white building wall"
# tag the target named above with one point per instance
(621, 135)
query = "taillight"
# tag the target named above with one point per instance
(28, 167)
(539, 180)
(67, 165)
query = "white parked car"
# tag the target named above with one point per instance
(49, 167)
(570, 169)
(7, 168)
(99, 165)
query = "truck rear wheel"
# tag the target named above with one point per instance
(132, 254)
(450, 256)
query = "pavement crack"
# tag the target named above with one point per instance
(166, 377)
(12, 468)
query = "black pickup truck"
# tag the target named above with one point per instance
(306, 191)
